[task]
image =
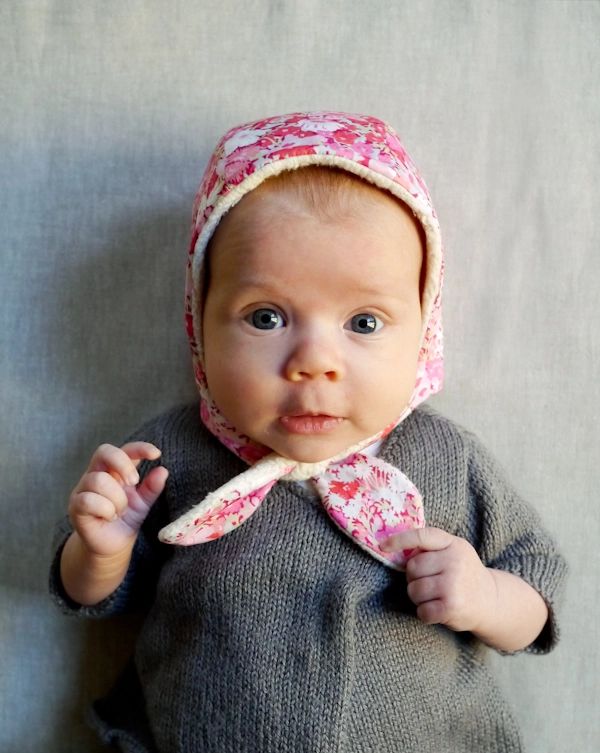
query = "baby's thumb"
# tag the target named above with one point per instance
(144, 496)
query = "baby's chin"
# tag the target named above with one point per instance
(314, 452)
(310, 458)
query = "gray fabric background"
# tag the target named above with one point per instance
(108, 111)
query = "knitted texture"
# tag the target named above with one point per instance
(288, 636)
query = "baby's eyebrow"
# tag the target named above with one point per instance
(275, 288)
(260, 283)
(257, 287)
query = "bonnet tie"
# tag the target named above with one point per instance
(365, 497)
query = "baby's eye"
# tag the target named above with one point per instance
(265, 319)
(364, 324)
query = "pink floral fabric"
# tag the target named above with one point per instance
(366, 497)
(370, 500)
(226, 514)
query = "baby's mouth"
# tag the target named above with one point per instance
(310, 423)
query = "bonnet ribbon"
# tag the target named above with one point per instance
(366, 497)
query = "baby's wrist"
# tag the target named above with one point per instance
(88, 577)
(514, 616)
(104, 565)
(486, 612)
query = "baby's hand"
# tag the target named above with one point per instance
(107, 508)
(446, 579)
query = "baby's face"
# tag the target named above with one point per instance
(312, 326)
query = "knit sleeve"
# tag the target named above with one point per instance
(137, 588)
(508, 535)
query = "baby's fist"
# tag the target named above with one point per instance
(446, 579)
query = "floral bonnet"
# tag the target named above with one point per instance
(366, 497)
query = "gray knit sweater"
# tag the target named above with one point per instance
(285, 636)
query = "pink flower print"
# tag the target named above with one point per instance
(193, 240)
(351, 460)
(360, 147)
(266, 143)
(223, 517)
(358, 532)
(380, 167)
(207, 191)
(189, 325)
(263, 491)
(199, 374)
(345, 152)
(235, 172)
(394, 143)
(377, 479)
(345, 489)
(349, 138)
(390, 530)
(338, 516)
(248, 153)
(241, 138)
(235, 506)
(290, 130)
(435, 370)
(376, 521)
(204, 413)
(423, 189)
(213, 531)
(314, 125)
(289, 151)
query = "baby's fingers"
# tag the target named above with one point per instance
(123, 461)
(90, 505)
(420, 539)
(101, 484)
(142, 498)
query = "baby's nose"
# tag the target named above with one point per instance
(314, 359)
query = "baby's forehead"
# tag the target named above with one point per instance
(325, 191)
(325, 194)
(320, 204)
(274, 237)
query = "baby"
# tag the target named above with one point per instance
(338, 593)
